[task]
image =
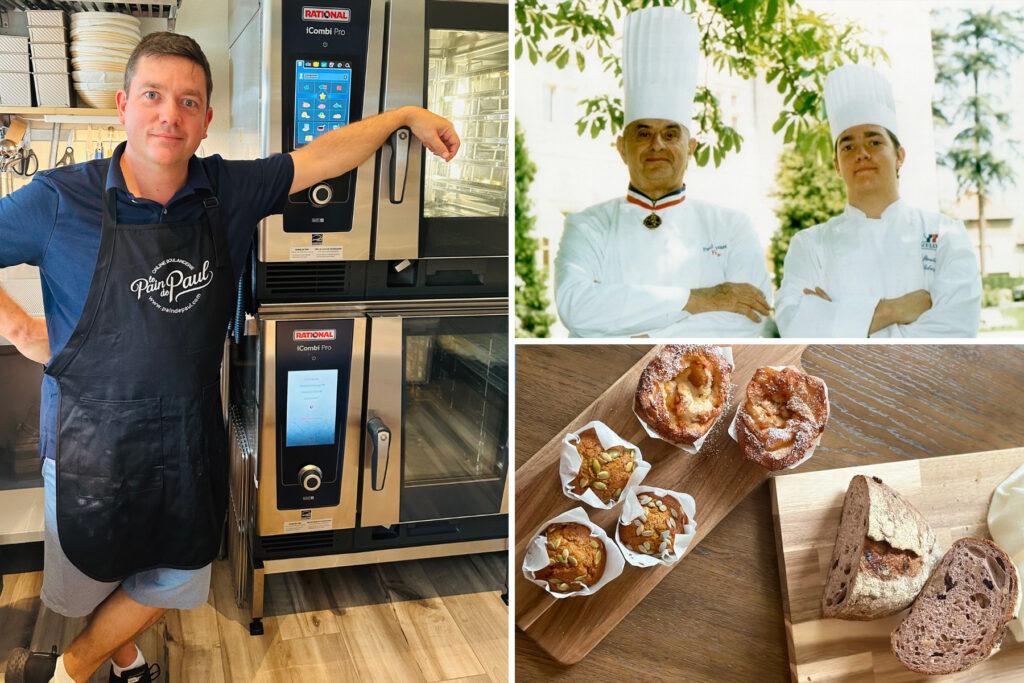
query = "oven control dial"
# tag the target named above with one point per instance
(321, 194)
(310, 477)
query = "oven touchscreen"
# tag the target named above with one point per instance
(323, 94)
(312, 407)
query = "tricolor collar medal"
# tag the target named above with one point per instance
(651, 222)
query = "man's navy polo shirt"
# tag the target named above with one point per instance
(54, 223)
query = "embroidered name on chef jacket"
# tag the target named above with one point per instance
(929, 245)
(715, 249)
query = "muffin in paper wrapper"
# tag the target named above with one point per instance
(537, 555)
(814, 444)
(631, 509)
(570, 461)
(1006, 526)
(727, 352)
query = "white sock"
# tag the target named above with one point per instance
(60, 674)
(139, 661)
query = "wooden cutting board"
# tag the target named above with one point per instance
(952, 492)
(717, 477)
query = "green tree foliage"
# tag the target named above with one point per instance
(972, 65)
(809, 192)
(774, 40)
(532, 318)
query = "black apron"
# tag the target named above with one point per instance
(141, 446)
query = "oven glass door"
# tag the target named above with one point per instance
(19, 422)
(467, 83)
(438, 385)
(453, 59)
(465, 201)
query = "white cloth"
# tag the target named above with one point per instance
(855, 95)
(1006, 526)
(858, 261)
(616, 278)
(659, 65)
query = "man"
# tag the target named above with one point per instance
(657, 263)
(881, 268)
(138, 256)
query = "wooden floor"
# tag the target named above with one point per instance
(426, 620)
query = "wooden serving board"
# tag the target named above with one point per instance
(952, 492)
(717, 477)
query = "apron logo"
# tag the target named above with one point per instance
(930, 241)
(165, 287)
(715, 249)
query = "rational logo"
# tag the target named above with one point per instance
(314, 335)
(326, 14)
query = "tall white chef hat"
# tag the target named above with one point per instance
(659, 65)
(856, 94)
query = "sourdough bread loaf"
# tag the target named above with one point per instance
(960, 617)
(884, 552)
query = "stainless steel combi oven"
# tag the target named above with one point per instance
(404, 224)
(368, 433)
(369, 393)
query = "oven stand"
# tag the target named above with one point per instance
(261, 568)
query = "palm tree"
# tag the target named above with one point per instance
(976, 54)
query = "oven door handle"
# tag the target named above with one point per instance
(381, 438)
(399, 143)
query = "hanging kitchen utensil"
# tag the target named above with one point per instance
(26, 163)
(69, 152)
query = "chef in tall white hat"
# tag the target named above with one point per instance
(880, 268)
(656, 262)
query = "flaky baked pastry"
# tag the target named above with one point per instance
(785, 412)
(575, 558)
(682, 391)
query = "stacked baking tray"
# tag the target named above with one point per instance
(15, 84)
(49, 57)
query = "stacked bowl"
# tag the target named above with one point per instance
(101, 43)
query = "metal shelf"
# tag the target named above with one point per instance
(162, 9)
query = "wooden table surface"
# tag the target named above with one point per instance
(718, 615)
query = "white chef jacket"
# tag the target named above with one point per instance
(858, 261)
(616, 278)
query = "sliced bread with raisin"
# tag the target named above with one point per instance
(959, 618)
(884, 552)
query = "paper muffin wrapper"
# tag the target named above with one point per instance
(570, 461)
(725, 351)
(631, 509)
(537, 555)
(817, 440)
(1006, 527)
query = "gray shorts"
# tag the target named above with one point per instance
(71, 593)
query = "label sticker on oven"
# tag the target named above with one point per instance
(326, 14)
(305, 525)
(317, 253)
